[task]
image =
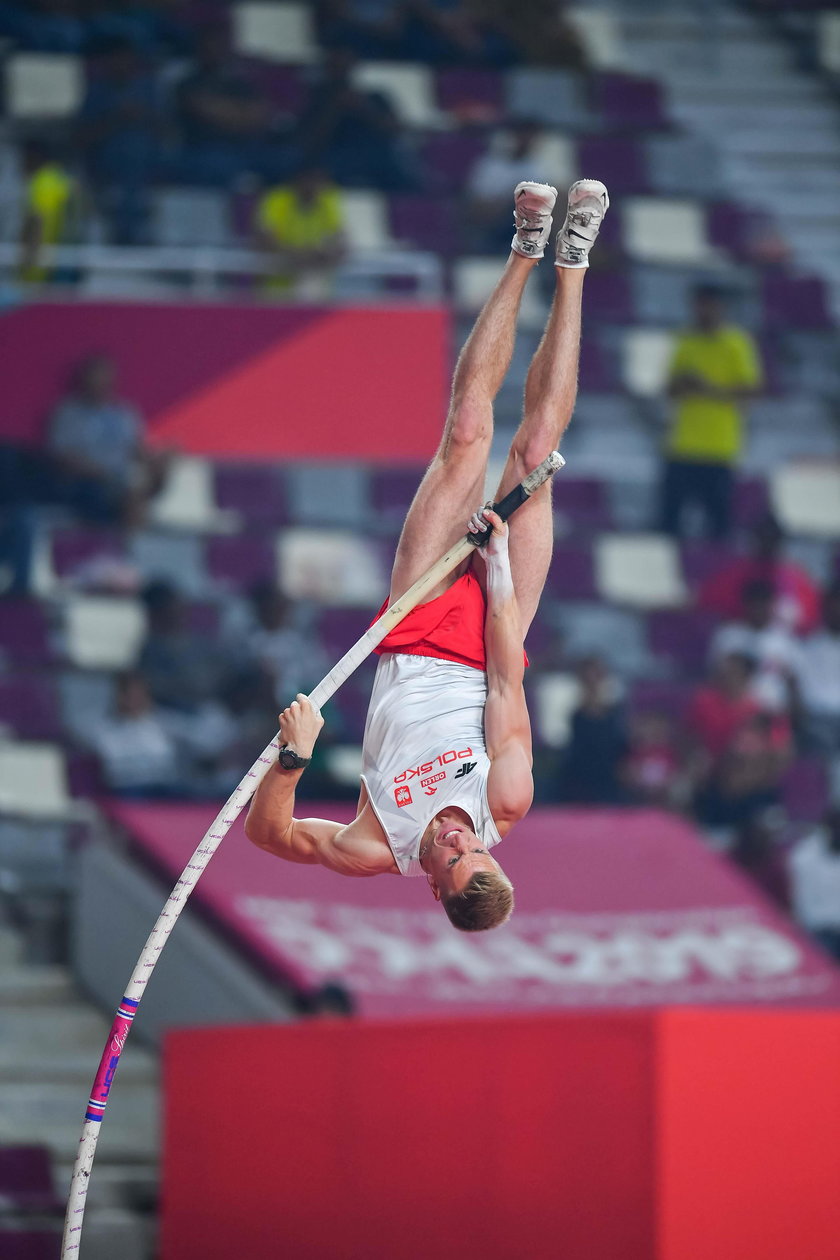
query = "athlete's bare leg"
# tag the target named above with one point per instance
(454, 482)
(550, 392)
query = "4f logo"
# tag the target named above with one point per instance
(465, 769)
(402, 796)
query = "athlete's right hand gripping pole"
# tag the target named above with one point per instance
(219, 828)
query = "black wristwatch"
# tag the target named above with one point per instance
(289, 759)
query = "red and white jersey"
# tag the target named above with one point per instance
(424, 749)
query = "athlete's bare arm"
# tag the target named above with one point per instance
(507, 728)
(357, 848)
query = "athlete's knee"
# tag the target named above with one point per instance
(470, 425)
(527, 453)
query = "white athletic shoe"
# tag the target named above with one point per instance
(588, 203)
(532, 207)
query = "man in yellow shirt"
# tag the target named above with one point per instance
(51, 203)
(715, 369)
(299, 224)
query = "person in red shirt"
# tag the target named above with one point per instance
(797, 606)
(724, 704)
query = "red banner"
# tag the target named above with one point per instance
(614, 908)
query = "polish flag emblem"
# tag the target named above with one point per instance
(402, 796)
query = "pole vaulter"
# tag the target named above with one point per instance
(451, 639)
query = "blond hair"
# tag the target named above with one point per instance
(486, 901)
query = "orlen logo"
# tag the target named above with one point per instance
(427, 783)
(402, 796)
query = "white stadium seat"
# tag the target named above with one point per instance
(663, 231)
(555, 153)
(33, 780)
(365, 220)
(330, 567)
(828, 41)
(188, 499)
(806, 498)
(642, 570)
(473, 280)
(103, 632)
(275, 32)
(410, 89)
(600, 34)
(557, 696)
(190, 216)
(43, 85)
(646, 353)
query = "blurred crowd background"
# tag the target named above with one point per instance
(687, 651)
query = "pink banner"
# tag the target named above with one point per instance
(613, 908)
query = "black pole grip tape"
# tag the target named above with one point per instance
(519, 494)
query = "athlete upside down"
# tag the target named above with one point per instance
(447, 744)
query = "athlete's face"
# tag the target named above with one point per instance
(454, 854)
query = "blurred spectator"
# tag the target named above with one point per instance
(757, 635)
(714, 369)
(651, 771)
(185, 674)
(598, 743)
(454, 32)
(119, 131)
(797, 600)
(367, 28)
(510, 160)
(102, 468)
(289, 659)
(720, 707)
(814, 866)
(354, 134)
(226, 122)
(746, 778)
(757, 851)
(138, 755)
(818, 678)
(538, 31)
(300, 227)
(43, 25)
(51, 209)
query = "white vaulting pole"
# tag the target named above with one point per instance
(219, 828)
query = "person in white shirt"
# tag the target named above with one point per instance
(137, 752)
(447, 747)
(818, 678)
(814, 866)
(770, 645)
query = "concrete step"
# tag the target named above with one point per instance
(68, 1025)
(28, 985)
(52, 1114)
(131, 1185)
(62, 1066)
(11, 947)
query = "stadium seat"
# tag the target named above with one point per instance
(43, 85)
(621, 156)
(102, 632)
(33, 781)
(86, 696)
(365, 220)
(556, 97)
(391, 492)
(642, 570)
(449, 157)
(571, 575)
(339, 628)
(276, 32)
(431, 223)
(470, 93)
(600, 33)
(176, 558)
(241, 560)
(618, 634)
(663, 231)
(556, 697)
(187, 500)
(555, 152)
(24, 633)
(682, 166)
(828, 41)
(580, 503)
(31, 1244)
(80, 555)
(806, 498)
(29, 705)
(190, 216)
(409, 88)
(473, 280)
(805, 790)
(681, 636)
(26, 1181)
(331, 567)
(256, 492)
(646, 355)
(659, 695)
(628, 103)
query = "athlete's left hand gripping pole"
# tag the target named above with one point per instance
(218, 830)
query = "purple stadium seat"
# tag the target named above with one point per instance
(339, 628)
(240, 560)
(651, 695)
(255, 491)
(609, 297)
(470, 93)
(392, 490)
(24, 633)
(243, 207)
(203, 618)
(26, 1183)
(572, 572)
(581, 503)
(795, 302)
(75, 549)
(682, 635)
(30, 1244)
(701, 559)
(29, 706)
(728, 226)
(84, 776)
(597, 371)
(628, 103)
(449, 156)
(430, 223)
(751, 502)
(621, 157)
(283, 86)
(805, 791)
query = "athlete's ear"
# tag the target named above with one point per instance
(432, 882)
